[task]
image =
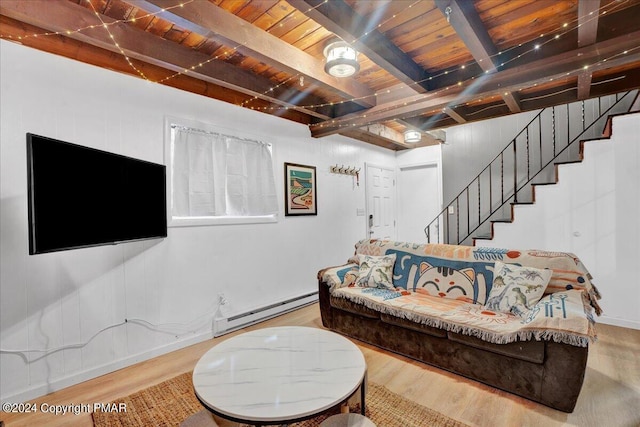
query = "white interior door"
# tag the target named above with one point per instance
(381, 213)
(419, 200)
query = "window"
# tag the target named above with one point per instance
(219, 178)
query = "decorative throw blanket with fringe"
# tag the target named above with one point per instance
(562, 316)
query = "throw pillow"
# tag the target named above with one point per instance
(376, 271)
(517, 289)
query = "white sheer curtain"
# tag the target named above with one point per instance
(221, 175)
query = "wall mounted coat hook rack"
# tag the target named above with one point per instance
(349, 170)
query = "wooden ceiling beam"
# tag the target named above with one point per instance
(588, 17)
(387, 133)
(462, 16)
(385, 112)
(396, 93)
(584, 84)
(372, 137)
(464, 19)
(455, 116)
(213, 22)
(510, 80)
(512, 102)
(143, 46)
(339, 18)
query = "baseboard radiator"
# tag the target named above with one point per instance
(239, 321)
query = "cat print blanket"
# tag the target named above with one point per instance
(561, 316)
(465, 275)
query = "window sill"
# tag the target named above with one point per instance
(220, 220)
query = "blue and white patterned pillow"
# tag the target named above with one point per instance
(517, 289)
(376, 271)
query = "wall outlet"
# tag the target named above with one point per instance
(451, 210)
(222, 300)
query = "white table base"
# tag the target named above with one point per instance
(348, 420)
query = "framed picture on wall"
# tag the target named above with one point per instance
(301, 196)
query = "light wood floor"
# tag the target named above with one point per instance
(610, 395)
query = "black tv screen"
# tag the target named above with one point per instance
(81, 197)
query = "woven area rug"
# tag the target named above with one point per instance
(173, 402)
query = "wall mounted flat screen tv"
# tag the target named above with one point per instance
(81, 197)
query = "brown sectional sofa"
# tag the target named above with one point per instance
(545, 370)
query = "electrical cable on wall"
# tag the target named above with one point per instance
(161, 327)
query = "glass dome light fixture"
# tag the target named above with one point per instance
(412, 136)
(342, 59)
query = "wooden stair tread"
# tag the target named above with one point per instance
(502, 220)
(544, 183)
(483, 237)
(567, 162)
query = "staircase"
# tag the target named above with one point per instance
(531, 159)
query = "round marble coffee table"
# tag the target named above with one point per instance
(279, 375)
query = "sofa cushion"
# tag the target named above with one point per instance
(529, 351)
(353, 307)
(376, 271)
(517, 289)
(414, 326)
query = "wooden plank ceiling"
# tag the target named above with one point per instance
(424, 64)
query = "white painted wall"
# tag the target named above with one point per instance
(593, 212)
(419, 202)
(53, 301)
(471, 146)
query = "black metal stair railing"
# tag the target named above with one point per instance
(551, 137)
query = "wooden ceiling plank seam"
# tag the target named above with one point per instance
(417, 11)
(507, 13)
(212, 21)
(299, 32)
(339, 18)
(145, 47)
(287, 23)
(272, 16)
(535, 72)
(233, 6)
(255, 9)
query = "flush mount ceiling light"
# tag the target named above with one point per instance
(412, 136)
(342, 59)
